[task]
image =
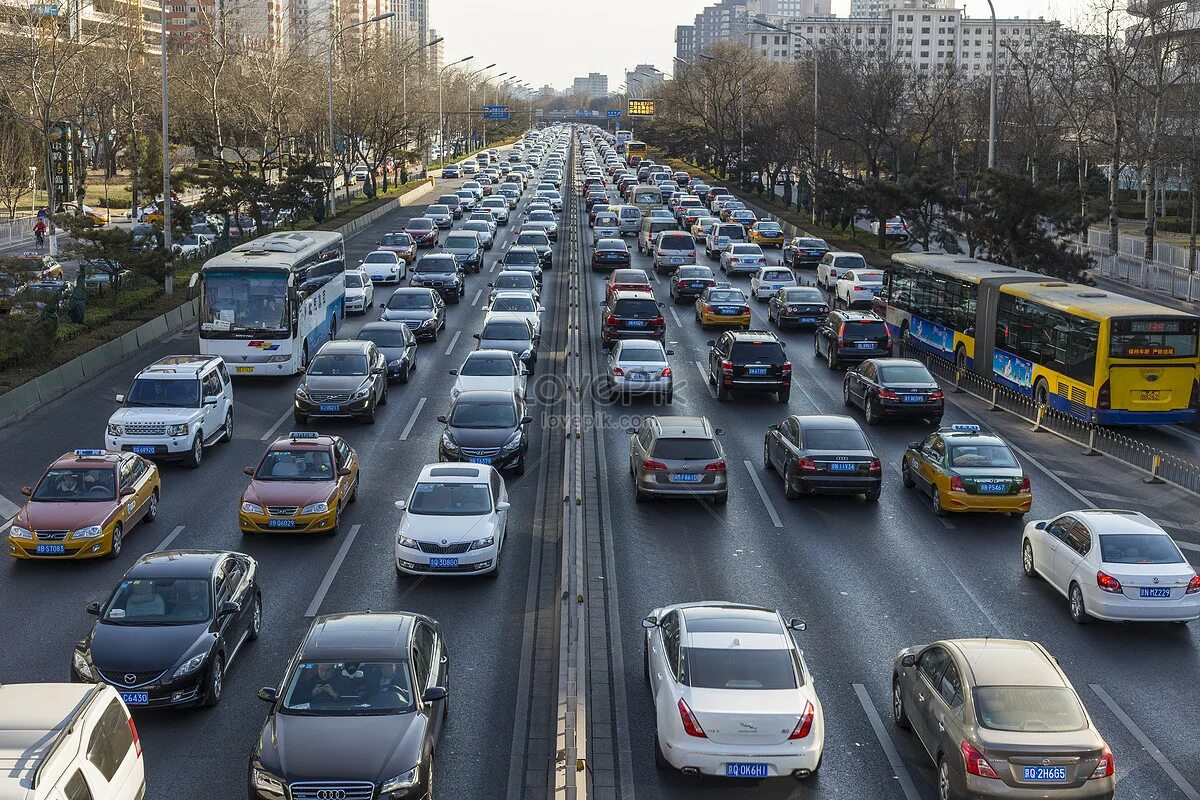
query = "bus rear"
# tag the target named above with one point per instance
(635, 152)
(1151, 370)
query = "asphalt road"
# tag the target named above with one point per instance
(203, 753)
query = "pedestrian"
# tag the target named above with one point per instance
(39, 232)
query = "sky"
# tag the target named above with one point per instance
(553, 41)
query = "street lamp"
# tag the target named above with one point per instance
(992, 94)
(404, 91)
(332, 143)
(169, 278)
(441, 105)
(482, 84)
(470, 115)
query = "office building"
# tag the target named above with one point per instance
(685, 42)
(593, 85)
(642, 78)
(879, 8)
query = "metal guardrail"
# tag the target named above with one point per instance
(1167, 272)
(1157, 465)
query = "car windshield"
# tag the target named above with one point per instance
(159, 601)
(437, 210)
(982, 455)
(483, 414)
(810, 295)
(811, 243)
(354, 280)
(518, 304)
(541, 216)
(855, 331)
(643, 353)
(73, 484)
(420, 224)
(777, 275)
(904, 373)
(451, 499)
(514, 282)
(1134, 548)
(337, 364)
(383, 337)
(295, 465)
(737, 668)
(428, 264)
(688, 449)
(164, 392)
(835, 439)
(462, 242)
(757, 351)
(336, 688)
(506, 330)
(676, 241)
(478, 226)
(611, 244)
(380, 258)
(1029, 709)
(521, 258)
(239, 300)
(636, 307)
(533, 239)
(489, 366)
(726, 296)
(395, 240)
(769, 229)
(404, 301)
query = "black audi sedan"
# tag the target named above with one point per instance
(486, 427)
(358, 714)
(887, 388)
(346, 379)
(172, 627)
(822, 454)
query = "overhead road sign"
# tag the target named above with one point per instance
(613, 113)
(641, 108)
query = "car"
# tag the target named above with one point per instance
(639, 366)
(498, 208)
(402, 244)
(421, 309)
(191, 610)
(858, 287)
(191, 244)
(490, 370)
(822, 454)
(466, 200)
(606, 227)
(302, 483)
(358, 712)
(747, 218)
(741, 258)
(466, 249)
(720, 235)
(797, 306)
(834, 263)
(726, 707)
(486, 427)
(804, 251)
(725, 207)
(452, 171)
(631, 315)
(749, 361)
(383, 266)
(514, 280)
(360, 291)
(174, 408)
(524, 259)
(556, 203)
(1112, 565)
(677, 457)
(423, 232)
(84, 505)
(440, 214)
(769, 280)
(485, 232)
(455, 522)
(723, 306)
(542, 215)
(689, 282)
(610, 254)
(396, 342)
(766, 233)
(887, 388)
(850, 337)
(699, 228)
(627, 280)
(523, 304)
(452, 202)
(539, 241)
(1000, 718)
(651, 226)
(961, 469)
(442, 273)
(672, 250)
(512, 332)
(345, 379)
(895, 230)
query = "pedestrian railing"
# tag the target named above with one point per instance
(1169, 271)
(1158, 466)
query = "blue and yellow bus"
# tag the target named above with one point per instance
(635, 151)
(1096, 355)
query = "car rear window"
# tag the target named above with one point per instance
(636, 307)
(677, 241)
(1029, 709)
(805, 296)
(849, 262)
(643, 353)
(735, 668)
(733, 231)
(1134, 548)
(758, 351)
(859, 330)
(694, 272)
(835, 439)
(905, 373)
(685, 449)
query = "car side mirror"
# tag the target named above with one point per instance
(442, 418)
(503, 506)
(211, 400)
(401, 504)
(126, 491)
(27, 490)
(909, 660)
(344, 472)
(454, 372)
(302, 370)
(526, 420)
(268, 694)
(797, 624)
(248, 470)
(230, 607)
(711, 343)
(773, 428)
(631, 431)
(719, 431)
(476, 336)
(650, 622)
(93, 608)
(434, 694)
(1041, 526)
(914, 445)
(670, 352)
(120, 398)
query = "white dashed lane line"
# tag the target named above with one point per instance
(413, 419)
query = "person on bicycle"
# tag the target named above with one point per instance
(39, 232)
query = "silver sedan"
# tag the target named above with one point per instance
(639, 366)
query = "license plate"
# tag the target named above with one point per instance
(281, 523)
(675, 260)
(135, 698)
(808, 319)
(143, 449)
(1149, 394)
(746, 770)
(636, 323)
(479, 459)
(1049, 774)
(330, 407)
(993, 488)
(913, 398)
(639, 376)
(756, 370)
(245, 370)
(51, 549)
(729, 312)
(697, 284)
(776, 285)
(443, 562)
(842, 466)
(1159, 592)
(865, 345)
(686, 477)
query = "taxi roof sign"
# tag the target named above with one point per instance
(304, 435)
(964, 428)
(85, 453)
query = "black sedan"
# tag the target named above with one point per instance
(442, 273)
(893, 387)
(486, 427)
(421, 309)
(822, 454)
(397, 344)
(168, 632)
(346, 379)
(358, 714)
(540, 242)
(803, 251)
(610, 254)
(797, 306)
(688, 283)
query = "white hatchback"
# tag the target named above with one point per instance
(454, 522)
(384, 266)
(858, 287)
(360, 291)
(834, 264)
(768, 280)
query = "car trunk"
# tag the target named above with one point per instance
(1011, 752)
(727, 718)
(1161, 581)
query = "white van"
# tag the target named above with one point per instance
(64, 741)
(629, 219)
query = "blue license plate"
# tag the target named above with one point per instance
(636, 323)
(330, 407)
(1048, 774)
(443, 562)
(51, 549)
(1159, 592)
(808, 319)
(913, 398)
(729, 312)
(143, 449)
(993, 488)
(756, 370)
(842, 466)
(746, 770)
(686, 477)
(135, 698)
(865, 345)
(479, 459)
(281, 523)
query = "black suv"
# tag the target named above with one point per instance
(751, 361)
(851, 337)
(631, 315)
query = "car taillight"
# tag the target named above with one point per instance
(889, 342)
(651, 465)
(658, 321)
(787, 368)
(612, 319)
(137, 743)
(1026, 486)
(859, 288)
(976, 763)
(937, 394)
(618, 372)
(875, 468)
(1193, 585)
(716, 466)
(727, 366)
(1104, 397)
(710, 309)
(666, 373)
(745, 309)
(1108, 583)
(690, 726)
(806, 464)
(805, 723)
(1106, 768)
(692, 254)
(956, 484)
(888, 394)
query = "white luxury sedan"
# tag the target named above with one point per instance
(732, 694)
(490, 370)
(454, 522)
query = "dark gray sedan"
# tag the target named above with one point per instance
(397, 343)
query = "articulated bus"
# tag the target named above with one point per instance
(267, 305)
(623, 138)
(635, 151)
(1093, 354)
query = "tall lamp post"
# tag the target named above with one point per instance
(483, 83)
(404, 87)
(332, 142)
(169, 278)
(992, 93)
(441, 107)
(470, 114)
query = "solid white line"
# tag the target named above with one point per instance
(762, 492)
(1103, 496)
(1147, 745)
(1195, 548)
(271, 430)
(478, 294)
(704, 377)
(675, 317)
(885, 741)
(412, 420)
(165, 543)
(8, 508)
(7, 524)
(330, 573)
(453, 341)
(1182, 431)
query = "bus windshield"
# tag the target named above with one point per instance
(244, 302)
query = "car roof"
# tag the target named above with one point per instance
(1112, 520)
(682, 427)
(487, 396)
(491, 353)
(87, 458)
(631, 272)
(358, 636)
(182, 366)
(309, 442)
(1007, 662)
(505, 316)
(344, 346)
(753, 336)
(852, 316)
(826, 421)
(511, 272)
(34, 716)
(836, 253)
(383, 325)
(970, 436)
(176, 563)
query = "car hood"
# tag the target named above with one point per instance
(481, 437)
(334, 383)
(289, 493)
(355, 291)
(153, 414)
(439, 275)
(39, 516)
(429, 528)
(350, 748)
(392, 353)
(406, 315)
(143, 648)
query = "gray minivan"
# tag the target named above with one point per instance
(649, 229)
(629, 219)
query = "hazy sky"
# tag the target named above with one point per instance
(553, 41)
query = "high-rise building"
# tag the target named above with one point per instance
(593, 85)
(879, 8)
(642, 78)
(685, 42)
(437, 53)
(730, 20)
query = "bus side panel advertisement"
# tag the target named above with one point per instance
(1013, 371)
(939, 337)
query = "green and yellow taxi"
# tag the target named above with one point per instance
(961, 468)
(723, 306)
(766, 233)
(84, 506)
(302, 484)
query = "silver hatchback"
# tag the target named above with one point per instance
(677, 457)
(639, 366)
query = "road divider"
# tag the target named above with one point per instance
(331, 573)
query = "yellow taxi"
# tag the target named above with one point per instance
(961, 468)
(766, 233)
(84, 506)
(728, 208)
(700, 227)
(303, 483)
(723, 306)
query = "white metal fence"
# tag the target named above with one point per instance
(1167, 272)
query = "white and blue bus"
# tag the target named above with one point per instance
(267, 305)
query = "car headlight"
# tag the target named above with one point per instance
(396, 362)
(265, 780)
(90, 532)
(361, 393)
(315, 508)
(410, 543)
(189, 666)
(406, 780)
(251, 508)
(115, 430)
(448, 441)
(513, 442)
(17, 532)
(278, 359)
(177, 430)
(302, 391)
(82, 666)
(427, 323)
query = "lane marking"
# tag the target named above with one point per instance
(330, 573)
(675, 317)
(271, 430)
(704, 377)
(7, 524)
(413, 419)
(8, 508)
(453, 341)
(1182, 431)
(947, 524)
(1103, 496)
(165, 543)
(1147, 745)
(762, 493)
(478, 294)
(900, 772)
(1195, 548)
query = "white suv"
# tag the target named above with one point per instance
(174, 408)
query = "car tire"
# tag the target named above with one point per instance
(255, 619)
(118, 541)
(519, 469)
(873, 495)
(871, 412)
(369, 417)
(905, 477)
(638, 495)
(945, 787)
(722, 392)
(846, 400)
(831, 359)
(935, 502)
(196, 454)
(405, 373)
(899, 713)
(789, 492)
(152, 507)
(1028, 566)
(721, 499)
(227, 428)
(383, 398)
(670, 397)
(215, 683)
(784, 395)
(1077, 607)
(767, 464)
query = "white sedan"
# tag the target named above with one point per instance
(857, 287)
(768, 280)
(522, 304)
(1112, 565)
(490, 370)
(360, 291)
(454, 522)
(384, 266)
(732, 694)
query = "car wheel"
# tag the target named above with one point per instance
(152, 507)
(899, 714)
(788, 491)
(436, 328)
(831, 359)
(227, 429)
(118, 539)
(405, 373)
(873, 414)
(369, 417)
(215, 683)
(816, 345)
(767, 465)
(670, 397)
(784, 396)
(519, 469)
(1078, 609)
(255, 619)
(383, 397)
(936, 503)
(905, 477)
(945, 789)
(354, 491)
(721, 499)
(660, 761)
(196, 454)
(722, 392)
(1027, 564)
